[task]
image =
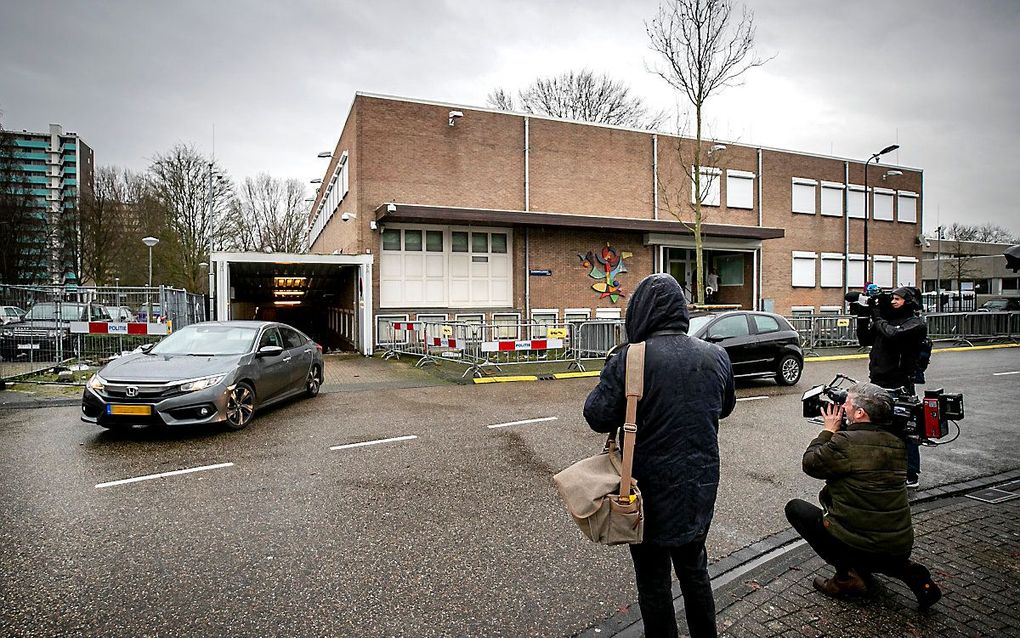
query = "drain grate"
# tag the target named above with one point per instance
(993, 495)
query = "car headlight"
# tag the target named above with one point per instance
(97, 383)
(51, 333)
(201, 384)
(8, 333)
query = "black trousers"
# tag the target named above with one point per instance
(654, 583)
(807, 520)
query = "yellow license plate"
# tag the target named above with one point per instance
(132, 410)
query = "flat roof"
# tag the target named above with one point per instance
(427, 214)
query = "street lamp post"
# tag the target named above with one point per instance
(868, 208)
(150, 242)
(938, 268)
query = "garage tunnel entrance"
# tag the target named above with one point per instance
(328, 297)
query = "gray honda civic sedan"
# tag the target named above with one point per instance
(213, 372)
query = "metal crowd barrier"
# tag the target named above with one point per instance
(480, 346)
(839, 331)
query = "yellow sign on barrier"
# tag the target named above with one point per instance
(842, 323)
(447, 331)
(556, 333)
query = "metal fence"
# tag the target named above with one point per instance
(482, 346)
(50, 338)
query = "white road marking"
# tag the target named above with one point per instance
(752, 398)
(376, 442)
(149, 477)
(1000, 374)
(503, 425)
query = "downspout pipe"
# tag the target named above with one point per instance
(655, 177)
(759, 270)
(846, 228)
(527, 207)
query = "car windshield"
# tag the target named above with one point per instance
(995, 304)
(698, 322)
(50, 311)
(213, 340)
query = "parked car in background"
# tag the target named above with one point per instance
(45, 334)
(1000, 305)
(210, 372)
(760, 344)
(11, 314)
(120, 314)
(157, 313)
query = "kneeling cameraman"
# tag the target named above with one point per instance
(865, 526)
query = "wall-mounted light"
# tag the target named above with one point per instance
(346, 217)
(454, 116)
(325, 154)
(373, 225)
(317, 180)
(716, 148)
(892, 173)
(286, 303)
(391, 208)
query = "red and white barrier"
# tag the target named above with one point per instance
(109, 328)
(441, 342)
(515, 346)
(407, 325)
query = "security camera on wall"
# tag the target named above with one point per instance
(391, 208)
(346, 217)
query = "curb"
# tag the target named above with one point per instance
(775, 547)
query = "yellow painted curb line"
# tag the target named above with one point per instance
(505, 379)
(576, 375)
(846, 357)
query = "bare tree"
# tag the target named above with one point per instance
(196, 199)
(703, 48)
(103, 220)
(271, 216)
(987, 232)
(580, 95)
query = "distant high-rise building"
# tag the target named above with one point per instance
(54, 169)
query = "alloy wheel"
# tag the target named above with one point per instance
(240, 406)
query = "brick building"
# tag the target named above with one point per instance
(474, 214)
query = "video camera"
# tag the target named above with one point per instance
(923, 421)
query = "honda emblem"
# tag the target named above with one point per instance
(131, 391)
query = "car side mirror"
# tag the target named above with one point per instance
(146, 347)
(269, 351)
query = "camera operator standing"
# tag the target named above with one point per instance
(896, 334)
(865, 526)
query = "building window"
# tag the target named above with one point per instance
(384, 332)
(883, 202)
(906, 207)
(498, 242)
(832, 199)
(730, 269)
(505, 325)
(832, 270)
(608, 313)
(855, 202)
(434, 241)
(542, 320)
(459, 242)
(709, 185)
(1011, 284)
(412, 241)
(391, 239)
(855, 271)
(906, 271)
(802, 311)
(830, 310)
(882, 270)
(804, 195)
(804, 269)
(576, 315)
(739, 189)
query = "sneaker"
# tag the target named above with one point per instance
(913, 483)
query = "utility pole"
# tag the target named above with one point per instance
(209, 220)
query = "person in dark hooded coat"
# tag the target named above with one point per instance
(688, 388)
(897, 333)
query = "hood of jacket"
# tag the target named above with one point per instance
(657, 304)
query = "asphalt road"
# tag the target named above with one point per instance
(455, 532)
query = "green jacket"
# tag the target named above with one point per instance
(865, 494)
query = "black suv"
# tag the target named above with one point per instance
(45, 334)
(760, 344)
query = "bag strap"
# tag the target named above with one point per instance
(635, 390)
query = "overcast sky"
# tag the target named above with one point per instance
(275, 79)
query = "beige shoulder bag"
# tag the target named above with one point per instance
(599, 491)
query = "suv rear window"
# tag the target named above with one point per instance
(765, 323)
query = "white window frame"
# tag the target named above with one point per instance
(901, 262)
(888, 196)
(505, 332)
(538, 329)
(910, 199)
(575, 314)
(830, 310)
(736, 182)
(379, 341)
(832, 199)
(802, 281)
(799, 311)
(885, 260)
(800, 205)
(608, 313)
(712, 195)
(856, 200)
(826, 279)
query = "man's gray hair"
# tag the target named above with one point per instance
(876, 401)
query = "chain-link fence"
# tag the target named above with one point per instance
(51, 331)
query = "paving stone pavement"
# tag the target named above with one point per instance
(972, 549)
